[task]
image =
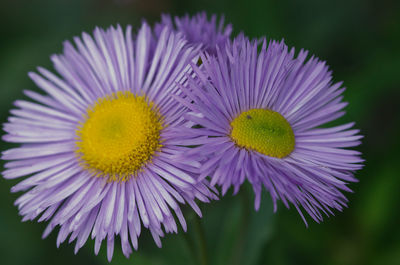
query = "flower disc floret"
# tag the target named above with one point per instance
(264, 131)
(120, 134)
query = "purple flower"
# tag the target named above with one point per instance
(259, 115)
(98, 149)
(199, 30)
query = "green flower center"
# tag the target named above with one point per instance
(264, 131)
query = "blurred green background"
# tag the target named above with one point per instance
(360, 40)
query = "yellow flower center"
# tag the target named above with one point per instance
(120, 134)
(264, 131)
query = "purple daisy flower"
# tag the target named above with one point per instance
(98, 147)
(199, 30)
(260, 114)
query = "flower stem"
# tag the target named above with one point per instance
(236, 257)
(190, 244)
(203, 253)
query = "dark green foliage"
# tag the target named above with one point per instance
(359, 39)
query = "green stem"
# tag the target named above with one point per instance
(203, 255)
(239, 246)
(190, 244)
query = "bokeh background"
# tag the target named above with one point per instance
(359, 39)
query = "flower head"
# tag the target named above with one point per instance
(198, 29)
(260, 112)
(97, 148)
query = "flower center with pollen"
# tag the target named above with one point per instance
(120, 134)
(264, 131)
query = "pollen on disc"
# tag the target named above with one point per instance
(264, 131)
(119, 135)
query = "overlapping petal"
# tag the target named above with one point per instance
(198, 29)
